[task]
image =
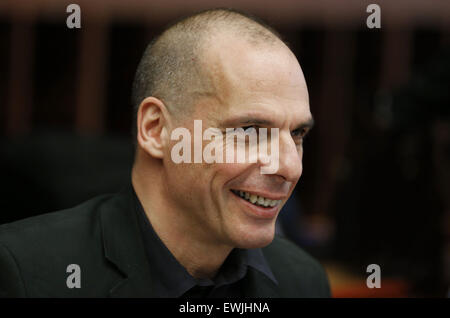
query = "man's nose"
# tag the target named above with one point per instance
(290, 158)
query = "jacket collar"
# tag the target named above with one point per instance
(123, 246)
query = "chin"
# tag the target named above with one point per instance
(254, 239)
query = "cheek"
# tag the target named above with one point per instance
(227, 173)
(188, 190)
(231, 169)
(193, 185)
(185, 175)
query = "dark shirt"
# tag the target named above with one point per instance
(171, 279)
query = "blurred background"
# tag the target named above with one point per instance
(376, 182)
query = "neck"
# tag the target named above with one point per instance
(201, 256)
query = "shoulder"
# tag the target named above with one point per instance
(60, 224)
(35, 252)
(296, 270)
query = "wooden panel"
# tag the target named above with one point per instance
(333, 114)
(93, 54)
(396, 58)
(19, 110)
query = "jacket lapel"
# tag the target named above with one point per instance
(123, 247)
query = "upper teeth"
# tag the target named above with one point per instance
(256, 199)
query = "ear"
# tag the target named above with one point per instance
(151, 121)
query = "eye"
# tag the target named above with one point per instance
(299, 133)
(248, 127)
(244, 129)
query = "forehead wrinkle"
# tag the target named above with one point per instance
(233, 86)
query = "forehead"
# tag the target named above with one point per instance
(260, 80)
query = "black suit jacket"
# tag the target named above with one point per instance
(102, 236)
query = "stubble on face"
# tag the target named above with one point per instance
(263, 81)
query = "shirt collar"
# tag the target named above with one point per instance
(257, 260)
(174, 280)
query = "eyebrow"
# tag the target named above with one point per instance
(254, 120)
(309, 124)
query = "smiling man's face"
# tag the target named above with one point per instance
(262, 87)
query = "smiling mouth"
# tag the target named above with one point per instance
(256, 199)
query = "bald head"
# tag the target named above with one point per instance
(223, 72)
(175, 67)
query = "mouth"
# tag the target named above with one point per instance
(257, 200)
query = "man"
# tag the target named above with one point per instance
(186, 229)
